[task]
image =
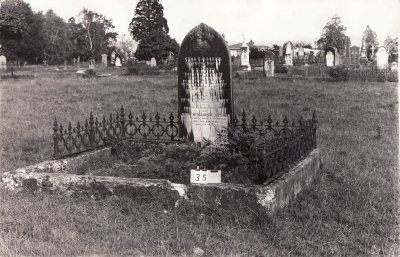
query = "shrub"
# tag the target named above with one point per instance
(339, 73)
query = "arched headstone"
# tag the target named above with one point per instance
(205, 102)
(289, 53)
(330, 56)
(354, 54)
(382, 58)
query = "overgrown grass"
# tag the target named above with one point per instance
(352, 209)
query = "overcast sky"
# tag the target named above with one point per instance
(259, 20)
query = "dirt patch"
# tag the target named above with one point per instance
(173, 161)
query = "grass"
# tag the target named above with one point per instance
(352, 208)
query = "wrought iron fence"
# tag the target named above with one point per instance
(285, 142)
(94, 133)
(16, 71)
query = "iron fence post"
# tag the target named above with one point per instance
(122, 120)
(56, 137)
(91, 132)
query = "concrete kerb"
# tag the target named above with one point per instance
(52, 176)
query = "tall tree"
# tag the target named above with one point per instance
(55, 34)
(20, 30)
(391, 46)
(333, 34)
(98, 31)
(370, 37)
(157, 44)
(149, 16)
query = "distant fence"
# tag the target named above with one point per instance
(285, 142)
(16, 71)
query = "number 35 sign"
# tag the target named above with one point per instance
(205, 176)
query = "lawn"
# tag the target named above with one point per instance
(351, 209)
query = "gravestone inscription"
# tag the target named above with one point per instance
(205, 102)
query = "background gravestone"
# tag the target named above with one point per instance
(347, 59)
(104, 60)
(289, 53)
(153, 62)
(3, 62)
(354, 54)
(330, 56)
(382, 58)
(205, 102)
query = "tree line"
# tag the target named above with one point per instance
(33, 37)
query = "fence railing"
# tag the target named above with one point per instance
(15, 71)
(94, 133)
(285, 142)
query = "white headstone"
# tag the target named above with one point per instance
(118, 62)
(301, 51)
(104, 60)
(329, 59)
(289, 54)
(245, 55)
(3, 62)
(153, 62)
(382, 58)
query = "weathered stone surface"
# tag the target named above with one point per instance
(227, 196)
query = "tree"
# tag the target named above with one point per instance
(333, 34)
(157, 44)
(97, 29)
(55, 33)
(149, 16)
(391, 46)
(303, 44)
(125, 45)
(370, 37)
(20, 27)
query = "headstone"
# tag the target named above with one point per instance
(330, 56)
(280, 51)
(113, 58)
(347, 59)
(382, 58)
(269, 68)
(104, 60)
(79, 61)
(153, 62)
(393, 67)
(337, 57)
(301, 51)
(354, 50)
(205, 97)
(289, 53)
(245, 55)
(118, 62)
(3, 62)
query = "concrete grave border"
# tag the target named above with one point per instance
(52, 176)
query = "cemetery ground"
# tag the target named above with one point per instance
(351, 208)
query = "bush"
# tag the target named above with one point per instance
(339, 73)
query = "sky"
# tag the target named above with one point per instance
(259, 20)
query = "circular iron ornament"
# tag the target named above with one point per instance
(104, 134)
(61, 145)
(97, 136)
(117, 131)
(144, 130)
(70, 142)
(78, 141)
(158, 130)
(86, 139)
(129, 130)
(171, 130)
